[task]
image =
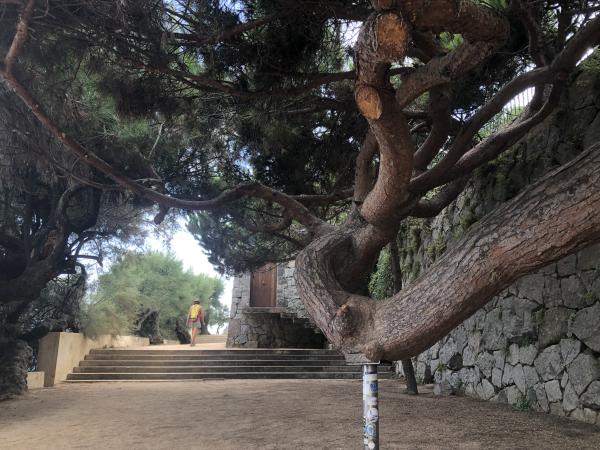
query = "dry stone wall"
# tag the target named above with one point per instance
(537, 344)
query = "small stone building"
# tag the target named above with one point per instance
(266, 311)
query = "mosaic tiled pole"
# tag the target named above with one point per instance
(370, 407)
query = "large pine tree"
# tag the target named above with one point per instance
(299, 146)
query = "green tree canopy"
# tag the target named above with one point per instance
(157, 281)
(297, 147)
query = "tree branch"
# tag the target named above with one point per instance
(432, 207)
(383, 40)
(483, 30)
(548, 221)
(363, 178)
(20, 37)
(298, 211)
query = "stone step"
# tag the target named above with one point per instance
(235, 351)
(200, 340)
(223, 369)
(208, 375)
(210, 362)
(165, 365)
(125, 357)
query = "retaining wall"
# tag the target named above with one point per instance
(60, 352)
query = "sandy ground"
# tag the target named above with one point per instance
(274, 414)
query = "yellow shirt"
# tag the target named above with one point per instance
(195, 312)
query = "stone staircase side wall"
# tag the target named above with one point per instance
(59, 352)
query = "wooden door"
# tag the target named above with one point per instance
(263, 286)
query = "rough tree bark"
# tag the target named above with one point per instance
(204, 328)
(15, 358)
(183, 335)
(147, 326)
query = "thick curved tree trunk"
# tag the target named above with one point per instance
(553, 218)
(183, 335)
(15, 358)
(204, 328)
(147, 326)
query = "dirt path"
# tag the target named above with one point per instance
(303, 414)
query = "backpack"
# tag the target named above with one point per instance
(195, 312)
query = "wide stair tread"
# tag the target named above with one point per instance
(163, 365)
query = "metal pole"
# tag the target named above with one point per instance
(370, 407)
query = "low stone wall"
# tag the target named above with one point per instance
(60, 352)
(35, 380)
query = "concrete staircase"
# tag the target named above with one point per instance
(146, 365)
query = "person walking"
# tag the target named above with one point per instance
(195, 320)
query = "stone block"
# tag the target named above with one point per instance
(549, 363)
(589, 416)
(447, 351)
(499, 359)
(454, 379)
(577, 414)
(569, 349)
(573, 293)
(567, 265)
(419, 371)
(564, 380)
(556, 409)
(552, 294)
(591, 397)
(497, 377)
(531, 287)
(472, 349)
(513, 395)
(527, 354)
(443, 388)
(470, 390)
(586, 326)
(507, 376)
(582, 371)
(554, 326)
(589, 258)
(531, 376)
(455, 362)
(485, 362)
(553, 391)
(541, 398)
(493, 336)
(570, 399)
(500, 397)
(460, 337)
(519, 378)
(485, 390)
(468, 375)
(35, 380)
(513, 354)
